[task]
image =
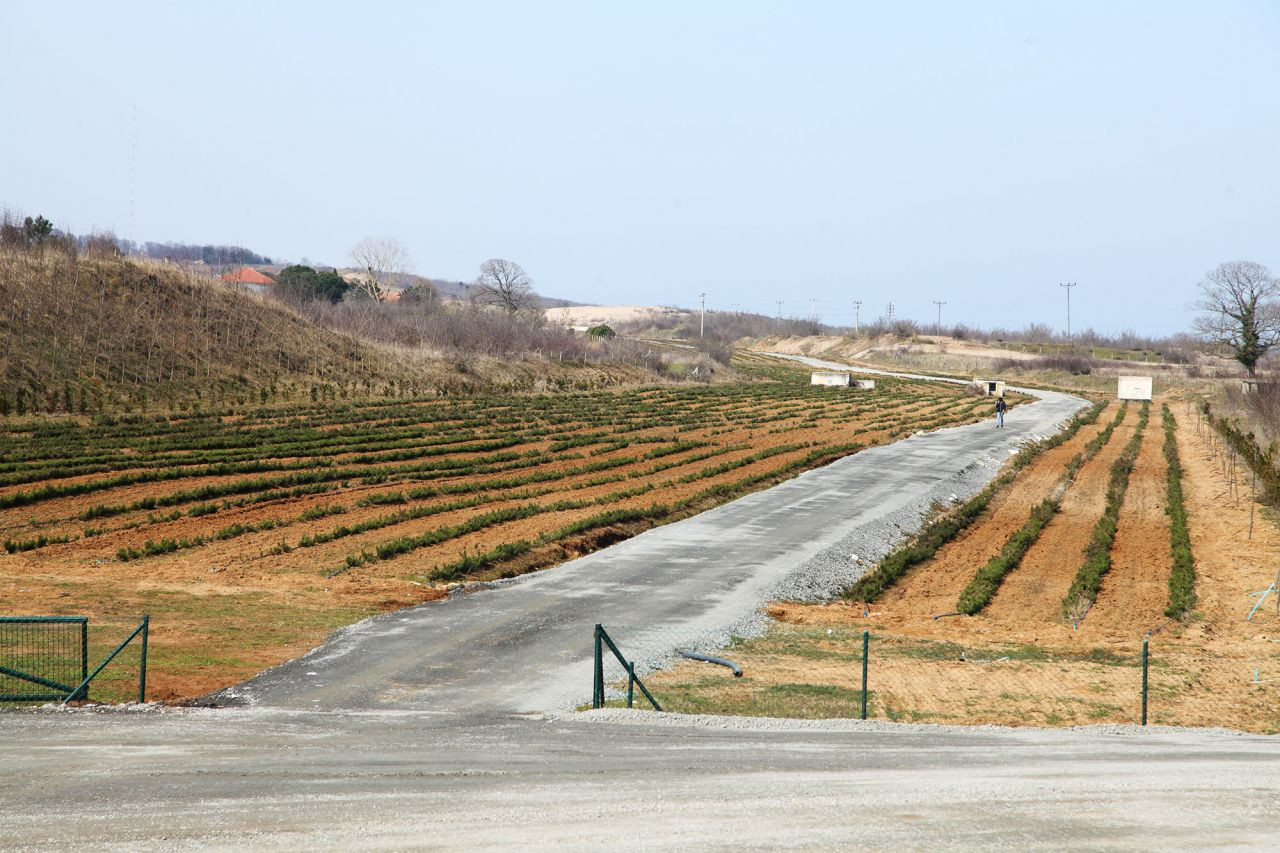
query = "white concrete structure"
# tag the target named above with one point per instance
(829, 378)
(839, 379)
(990, 387)
(1253, 386)
(1134, 388)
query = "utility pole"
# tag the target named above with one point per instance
(857, 316)
(938, 328)
(890, 314)
(702, 319)
(1068, 286)
(813, 309)
(779, 301)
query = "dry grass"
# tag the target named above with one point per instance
(814, 672)
(90, 334)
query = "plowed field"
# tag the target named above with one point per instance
(1025, 658)
(249, 535)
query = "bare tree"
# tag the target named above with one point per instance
(381, 262)
(1239, 308)
(505, 284)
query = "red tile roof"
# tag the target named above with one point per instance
(247, 275)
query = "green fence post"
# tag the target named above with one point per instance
(142, 665)
(1145, 641)
(631, 681)
(84, 656)
(866, 642)
(597, 696)
(81, 689)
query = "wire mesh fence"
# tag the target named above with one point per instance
(1207, 686)
(58, 659)
(42, 658)
(805, 671)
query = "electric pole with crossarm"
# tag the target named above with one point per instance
(1068, 286)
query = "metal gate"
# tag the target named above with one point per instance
(44, 658)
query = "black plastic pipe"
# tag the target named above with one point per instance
(737, 670)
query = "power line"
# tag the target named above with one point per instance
(1068, 287)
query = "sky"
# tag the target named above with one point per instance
(812, 153)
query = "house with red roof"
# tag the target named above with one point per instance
(249, 278)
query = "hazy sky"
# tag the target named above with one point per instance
(979, 153)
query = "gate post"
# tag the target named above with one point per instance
(597, 695)
(84, 656)
(1145, 658)
(142, 665)
(866, 642)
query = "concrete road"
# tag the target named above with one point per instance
(526, 646)
(309, 780)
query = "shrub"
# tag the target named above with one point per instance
(986, 581)
(1182, 579)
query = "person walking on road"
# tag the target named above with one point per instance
(1001, 408)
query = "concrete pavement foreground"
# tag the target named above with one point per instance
(526, 645)
(271, 779)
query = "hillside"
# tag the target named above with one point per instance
(90, 334)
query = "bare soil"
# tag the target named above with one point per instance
(1135, 592)
(1017, 662)
(1029, 602)
(933, 587)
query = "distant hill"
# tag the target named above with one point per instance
(87, 334)
(584, 316)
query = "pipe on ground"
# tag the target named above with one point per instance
(737, 670)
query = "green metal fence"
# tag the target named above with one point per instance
(43, 658)
(46, 658)
(817, 671)
(598, 698)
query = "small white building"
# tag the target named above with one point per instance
(829, 378)
(990, 387)
(1133, 388)
(838, 379)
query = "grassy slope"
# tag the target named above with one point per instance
(99, 334)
